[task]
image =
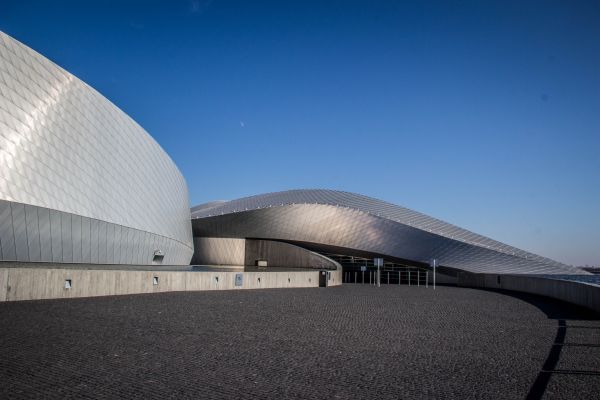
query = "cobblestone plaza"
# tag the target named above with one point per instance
(352, 341)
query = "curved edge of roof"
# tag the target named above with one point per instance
(95, 91)
(204, 207)
(375, 207)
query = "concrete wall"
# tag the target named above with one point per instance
(280, 254)
(578, 293)
(442, 279)
(39, 283)
(218, 251)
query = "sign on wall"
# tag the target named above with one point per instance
(239, 279)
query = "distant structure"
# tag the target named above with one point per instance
(592, 270)
(80, 181)
(273, 228)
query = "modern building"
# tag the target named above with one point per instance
(80, 181)
(351, 229)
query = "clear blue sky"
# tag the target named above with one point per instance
(483, 114)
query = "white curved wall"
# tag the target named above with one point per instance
(65, 147)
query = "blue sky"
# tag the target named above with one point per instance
(483, 114)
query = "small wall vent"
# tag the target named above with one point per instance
(158, 257)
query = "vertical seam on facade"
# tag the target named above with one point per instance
(26, 233)
(39, 233)
(62, 250)
(50, 234)
(1, 253)
(13, 229)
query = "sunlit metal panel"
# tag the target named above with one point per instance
(67, 149)
(333, 219)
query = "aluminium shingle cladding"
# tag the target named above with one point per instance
(373, 225)
(65, 147)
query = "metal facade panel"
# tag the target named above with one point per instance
(366, 205)
(171, 252)
(86, 237)
(102, 242)
(168, 250)
(135, 255)
(110, 244)
(131, 246)
(45, 236)
(147, 253)
(143, 248)
(160, 245)
(20, 230)
(77, 239)
(56, 236)
(67, 239)
(117, 244)
(75, 152)
(81, 237)
(123, 247)
(131, 252)
(137, 238)
(33, 233)
(329, 219)
(7, 236)
(94, 242)
(126, 246)
(155, 243)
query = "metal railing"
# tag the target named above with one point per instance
(397, 277)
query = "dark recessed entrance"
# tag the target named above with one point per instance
(322, 278)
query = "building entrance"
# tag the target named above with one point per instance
(362, 271)
(323, 278)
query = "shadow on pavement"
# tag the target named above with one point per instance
(562, 312)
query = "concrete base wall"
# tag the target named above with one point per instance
(39, 283)
(578, 293)
(442, 279)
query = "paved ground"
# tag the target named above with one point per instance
(345, 342)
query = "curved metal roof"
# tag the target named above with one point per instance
(373, 207)
(65, 147)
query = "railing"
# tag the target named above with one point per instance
(410, 278)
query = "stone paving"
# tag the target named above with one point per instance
(345, 342)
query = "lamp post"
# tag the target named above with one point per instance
(433, 265)
(378, 263)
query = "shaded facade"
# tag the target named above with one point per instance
(335, 222)
(81, 181)
(257, 253)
